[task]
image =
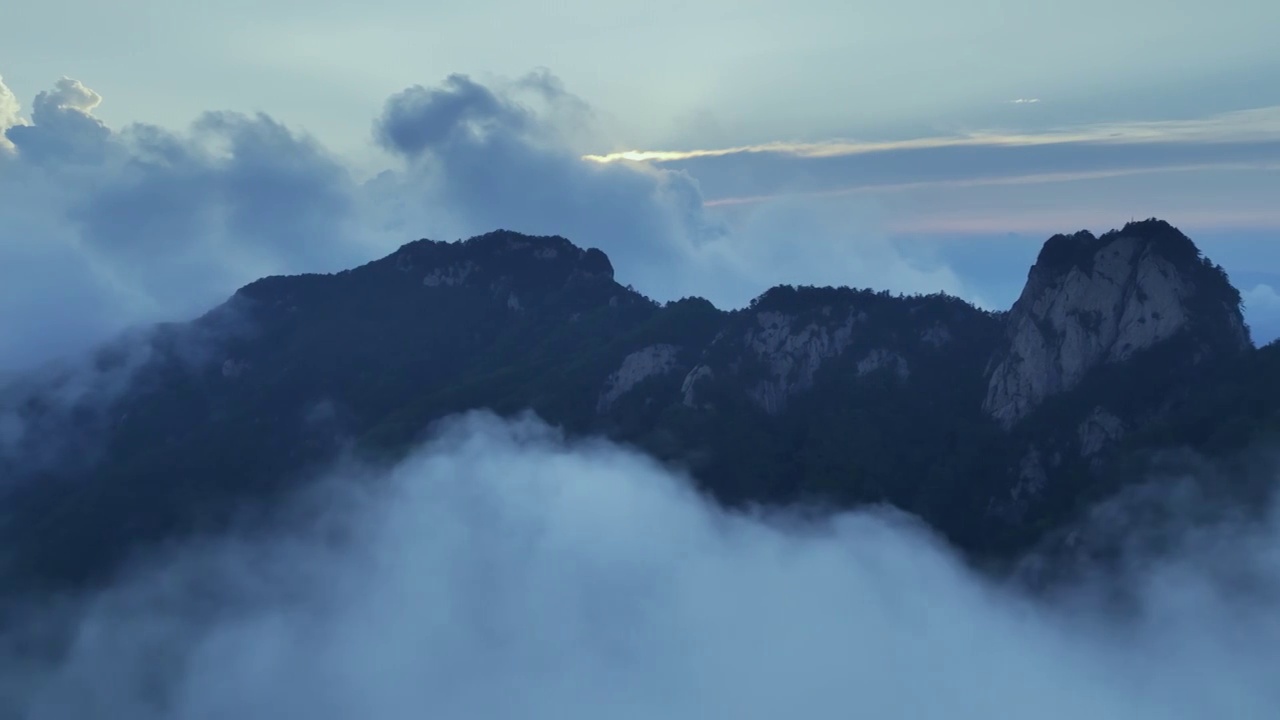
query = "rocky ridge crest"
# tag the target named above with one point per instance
(1091, 301)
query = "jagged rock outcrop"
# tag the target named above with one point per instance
(791, 353)
(637, 367)
(1097, 430)
(447, 276)
(689, 386)
(776, 349)
(937, 336)
(1091, 300)
(503, 263)
(880, 358)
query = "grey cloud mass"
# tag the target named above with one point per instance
(491, 161)
(108, 228)
(417, 120)
(103, 229)
(502, 571)
(498, 162)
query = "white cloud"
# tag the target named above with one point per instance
(9, 109)
(62, 126)
(67, 94)
(501, 572)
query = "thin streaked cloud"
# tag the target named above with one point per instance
(1253, 125)
(1032, 178)
(1024, 101)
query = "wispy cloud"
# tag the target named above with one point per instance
(1024, 101)
(1031, 178)
(1255, 125)
(1043, 222)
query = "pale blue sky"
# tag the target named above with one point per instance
(716, 72)
(871, 144)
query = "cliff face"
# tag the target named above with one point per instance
(782, 346)
(1093, 301)
(776, 349)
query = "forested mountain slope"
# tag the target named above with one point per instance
(990, 426)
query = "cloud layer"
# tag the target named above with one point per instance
(1257, 125)
(106, 228)
(502, 571)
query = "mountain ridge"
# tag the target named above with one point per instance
(829, 395)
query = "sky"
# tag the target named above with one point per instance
(160, 155)
(502, 571)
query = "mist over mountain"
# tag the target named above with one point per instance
(504, 569)
(666, 507)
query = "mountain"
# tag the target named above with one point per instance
(993, 427)
(1092, 301)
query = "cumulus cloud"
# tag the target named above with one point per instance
(9, 114)
(495, 161)
(62, 126)
(480, 159)
(101, 230)
(108, 228)
(502, 571)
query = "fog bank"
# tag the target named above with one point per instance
(502, 571)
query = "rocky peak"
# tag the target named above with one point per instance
(1092, 300)
(515, 269)
(549, 260)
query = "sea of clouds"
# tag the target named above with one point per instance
(504, 571)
